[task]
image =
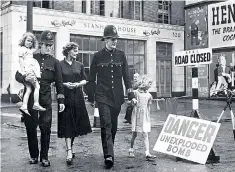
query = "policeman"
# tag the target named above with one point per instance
(109, 66)
(50, 72)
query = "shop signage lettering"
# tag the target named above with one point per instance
(221, 24)
(152, 32)
(223, 14)
(101, 27)
(193, 57)
(186, 137)
(23, 18)
(64, 23)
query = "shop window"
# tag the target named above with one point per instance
(134, 50)
(135, 53)
(102, 8)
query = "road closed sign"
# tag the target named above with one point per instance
(193, 57)
(187, 138)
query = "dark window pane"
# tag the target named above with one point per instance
(92, 44)
(166, 18)
(79, 57)
(122, 44)
(136, 62)
(138, 47)
(83, 6)
(141, 62)
(86, 71)
(45, 4)
(91, 58)
(160, 18)
(79, 42)
(130, 61)
(85, 44)
(86, 60)
(102, 8)
(100, 44)
(130, 49)
(72, 38)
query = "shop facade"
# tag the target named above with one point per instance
(205, 29)
(148, 46)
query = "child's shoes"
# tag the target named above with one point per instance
(38, 107)
(131, 153)
(149, 156)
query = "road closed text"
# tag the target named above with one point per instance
(193, 57)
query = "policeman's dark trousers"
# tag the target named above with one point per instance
(108, 124)
(43, 119)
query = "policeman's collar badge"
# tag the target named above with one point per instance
(49, 35)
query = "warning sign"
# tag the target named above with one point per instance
(187, 138)
(193, 57)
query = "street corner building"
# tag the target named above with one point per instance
(210, 24)
(149, 33)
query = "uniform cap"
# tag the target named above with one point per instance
(110, 31)
(47, 37)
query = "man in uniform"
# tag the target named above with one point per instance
(50, 72)
(109, 66)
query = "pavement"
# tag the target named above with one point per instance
(209, 110)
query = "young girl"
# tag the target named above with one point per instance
(28, 65)
(141, 114)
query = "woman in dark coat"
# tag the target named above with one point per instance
(74, 121)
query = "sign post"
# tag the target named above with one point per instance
(195, 58)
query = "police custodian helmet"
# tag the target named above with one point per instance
(47, 37)
(110, 31)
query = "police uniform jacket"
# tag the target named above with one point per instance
(50, 72)
(107, 69)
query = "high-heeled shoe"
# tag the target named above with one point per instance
(73, 153)
(69, 161)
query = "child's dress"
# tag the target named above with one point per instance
(29, 64)
(141, 114)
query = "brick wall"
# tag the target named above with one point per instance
(19, 2)
(150, 11)
(58, 5)
(177, 13)
(64, 5)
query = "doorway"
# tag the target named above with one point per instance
(163, 69)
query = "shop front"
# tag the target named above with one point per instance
(221, 28)
(210, 26)
(148, 46)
